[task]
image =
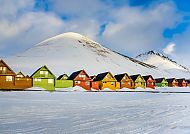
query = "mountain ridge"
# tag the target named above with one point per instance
(69, 52)
(162, 56)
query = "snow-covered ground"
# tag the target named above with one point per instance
(31, 112)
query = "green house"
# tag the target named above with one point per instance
(62, 82)
(44, 78)
(161, 82)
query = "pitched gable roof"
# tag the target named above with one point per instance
(134, 77)
(147, 77)
(75, 74)
(181, 80)
(101, 76)
(61, 76)
(2, 61)
(159, 80)
(93, 77)
(170, 80)
(20, 73)
(42, 68)
(119, 77)
(188, 81)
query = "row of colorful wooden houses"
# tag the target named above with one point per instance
(44, 78)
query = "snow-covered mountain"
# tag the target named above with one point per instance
(164, 63)
(69, 52)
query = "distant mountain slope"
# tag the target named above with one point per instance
(163, 63)
(69, 52)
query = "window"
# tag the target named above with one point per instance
(122, 83)
(21, 76)
(87, 83)
(36, 79)
(112, 83)
(77, 82)
(50, 81)
(44, 72)
(9, 78)
(82, 75)
(3, 69)
(129, 83)
(41, 72)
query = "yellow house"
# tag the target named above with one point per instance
(107, 80)
(139, 81)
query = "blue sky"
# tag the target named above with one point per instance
(127, 26)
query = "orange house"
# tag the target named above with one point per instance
(125, 81)
(7, 76)
(182, 82)
(81, 78)
(22, 81)
(172, 82)
(95, 84)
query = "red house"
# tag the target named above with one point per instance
(7, 76)
(150, 81)
(81, 78)
(182, 82)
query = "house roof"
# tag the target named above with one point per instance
(74, 75)
(61, 76)
(134, 77)
(20, 73)
(147, 77)
(181, 80)
(40, 69)
(101, 76)
(7, 66)
(119, 77)
(170, 80)
(159, 80)
(188, 81)
(93, 77)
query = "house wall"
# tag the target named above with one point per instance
(139, 82)
(95, 85)
(7, 84)
(44, 84)
(150, 84)
(23, 83)
(163, 84)
(108, 84)
(63, 83)
(84, 84)
(127, 84)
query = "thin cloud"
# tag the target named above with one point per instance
(170, 48)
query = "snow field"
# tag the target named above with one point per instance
(94, 112)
